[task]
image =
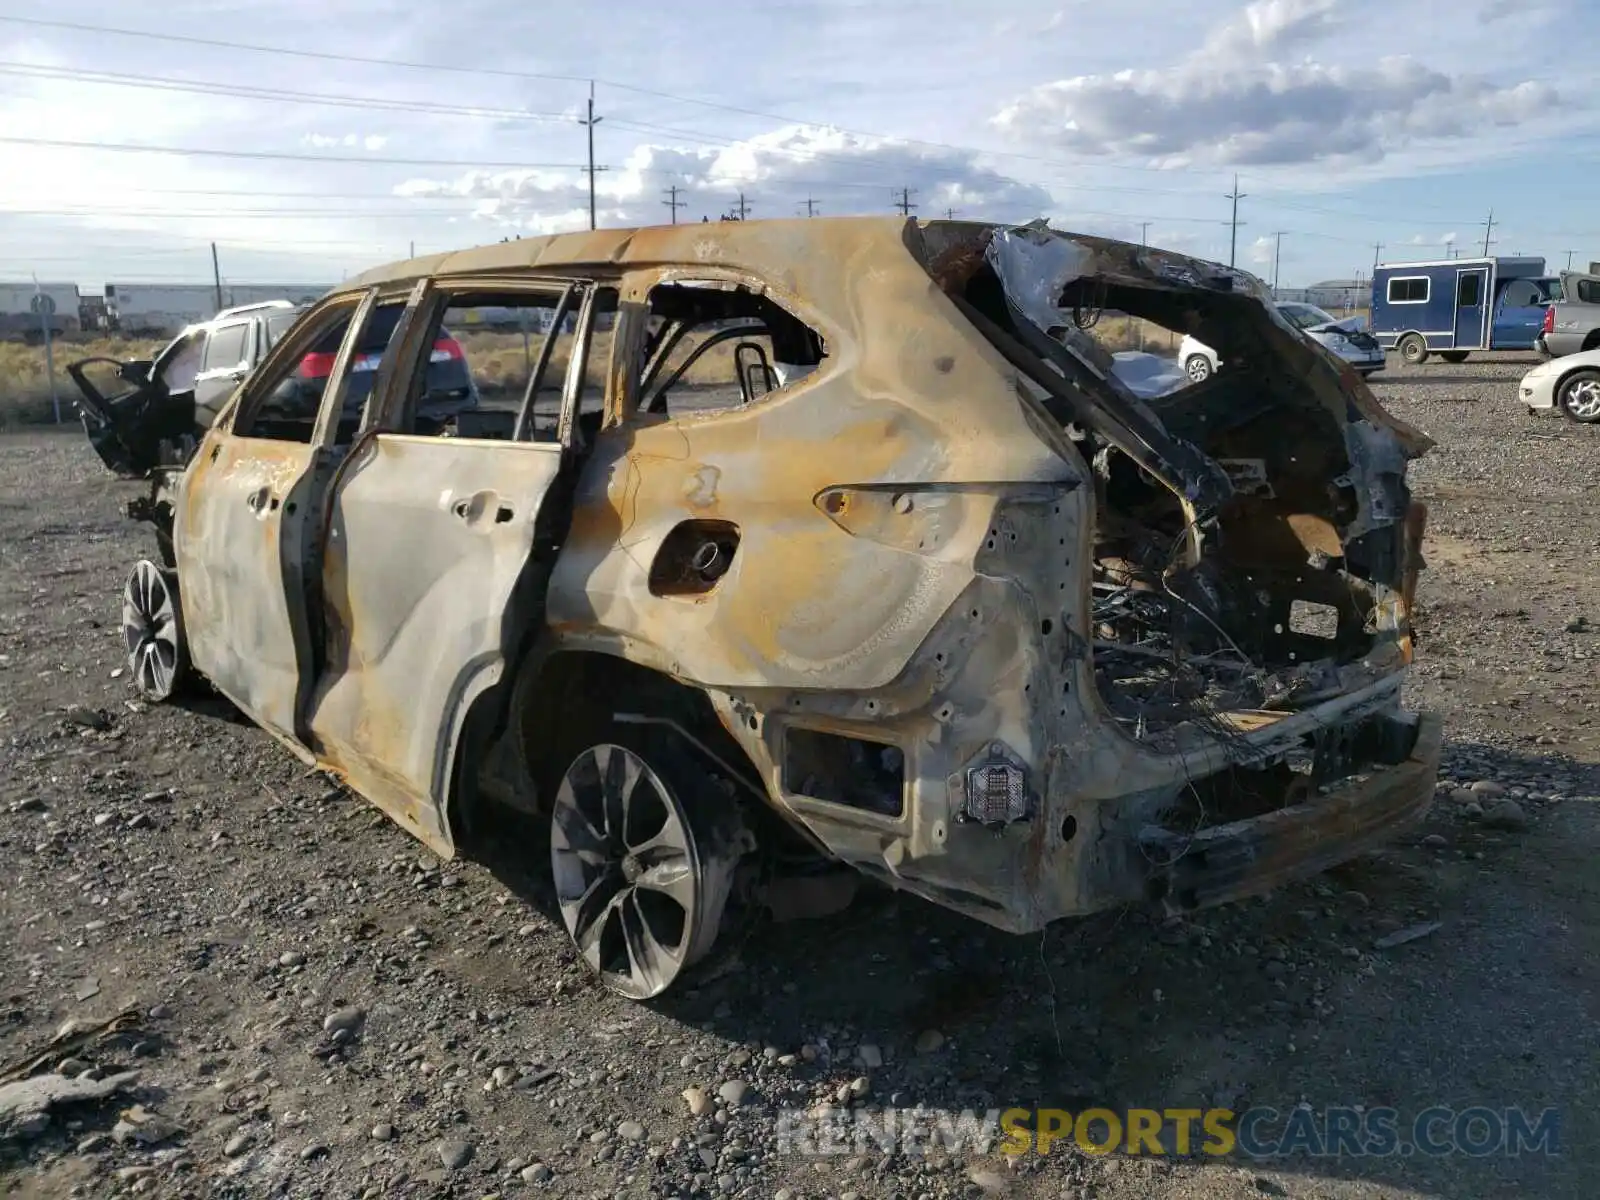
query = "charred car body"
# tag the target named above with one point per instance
(918, 587)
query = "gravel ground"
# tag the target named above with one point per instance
(315, 1007)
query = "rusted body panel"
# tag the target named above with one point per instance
(921, 530)
(426, 540)
(239, 527)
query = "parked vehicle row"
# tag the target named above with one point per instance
(171, 400)
(1343, 336)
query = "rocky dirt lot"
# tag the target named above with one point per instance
(313, 1006)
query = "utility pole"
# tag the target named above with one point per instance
(413, 253)
(1144, 232)
(673, 202)
(741, 210)
(949, 214)
(1570, 253)
(904, 202)
(1233, 236)
(811, 207)
(1377, 249)
(1488, 228)
(1277, 253)
(216, 275)
(591, 121)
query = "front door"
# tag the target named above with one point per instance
(1519, 315)
(1472, 308)
(243, 530)
(428, 539)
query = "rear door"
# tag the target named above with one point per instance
(243, 533)
(1472, 308)
(427, 540)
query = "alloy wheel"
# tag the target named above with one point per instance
(639, 898)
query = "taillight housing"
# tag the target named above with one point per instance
(1549, 325)
(446, 349)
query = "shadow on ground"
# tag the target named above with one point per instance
(1266, 1003)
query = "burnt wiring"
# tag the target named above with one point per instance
(1088, 316)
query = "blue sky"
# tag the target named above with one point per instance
(1348, 122)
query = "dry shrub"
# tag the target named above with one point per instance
(25, 383)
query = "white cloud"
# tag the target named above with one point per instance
(775, 171)
(1261, 251)
(1232, 103)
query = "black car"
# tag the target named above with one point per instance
(172, 399)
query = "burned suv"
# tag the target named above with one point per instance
(819, 549)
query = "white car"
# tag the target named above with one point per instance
(1570, 383)
(1344, 337)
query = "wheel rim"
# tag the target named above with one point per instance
(628, 872)
(151, 631)
(1198, 369)
(1583, 399)
(1411, 351)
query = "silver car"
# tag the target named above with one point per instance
(1341, 336)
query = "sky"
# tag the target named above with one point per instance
(313, 140)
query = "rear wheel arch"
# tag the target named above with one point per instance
(521, 734)
(1591, 340)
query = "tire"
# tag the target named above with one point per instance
(1579, 396)
(1413, 349)
(643, 853)
(1453, 356)
(1198, 368)
(152, 630)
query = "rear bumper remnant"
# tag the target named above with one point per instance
(1245, 858)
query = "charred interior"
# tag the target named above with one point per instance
(1250, 533)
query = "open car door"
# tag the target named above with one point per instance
(149, 423)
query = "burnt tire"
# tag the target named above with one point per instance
(152, 631)
(1413, 349)
(1453, 356)
(643, 853)
(1578, 395)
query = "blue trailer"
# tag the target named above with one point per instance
(1461, 304)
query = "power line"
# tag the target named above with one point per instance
(419, 106)
(278, 155)
(257, 214)
(280, 95)
(673, 202)
(1233, 237)
(329, 56)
